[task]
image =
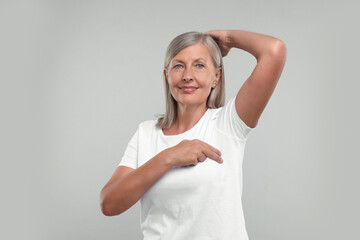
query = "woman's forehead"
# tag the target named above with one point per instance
(194, 52)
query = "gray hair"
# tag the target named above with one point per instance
(216, 97)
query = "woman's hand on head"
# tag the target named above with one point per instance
(190, 152)
(222, 39)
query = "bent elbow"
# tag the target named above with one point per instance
(108, 210)
(112, 205)
(106, 207)
(105, 210)
(111, 208)
(278, 50)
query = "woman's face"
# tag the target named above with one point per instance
(191, 75)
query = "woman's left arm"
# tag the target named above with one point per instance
(256, 91)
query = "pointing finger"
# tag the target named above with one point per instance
(213, 155)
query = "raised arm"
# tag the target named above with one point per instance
(256, 91)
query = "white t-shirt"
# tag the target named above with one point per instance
(199, 202)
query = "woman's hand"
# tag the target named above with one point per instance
(222, 39)
(190, 152)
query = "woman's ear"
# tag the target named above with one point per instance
(217, 77)
(165, 74)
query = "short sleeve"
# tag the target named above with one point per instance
(130, 158)
(229, 121)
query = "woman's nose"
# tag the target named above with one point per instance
(188, 74)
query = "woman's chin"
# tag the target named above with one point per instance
(190, 102)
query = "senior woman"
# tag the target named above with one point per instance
(186, 166)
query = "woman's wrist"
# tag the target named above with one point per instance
(166, 159)
(237, 38)
(229, 39)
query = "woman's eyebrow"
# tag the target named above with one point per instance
(177, 60)
(198, 59)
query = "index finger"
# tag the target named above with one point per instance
(212, 152)
(213, 155)
(217, 151)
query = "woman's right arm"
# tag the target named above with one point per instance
(127, 185)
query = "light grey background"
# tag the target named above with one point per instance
(77, 77)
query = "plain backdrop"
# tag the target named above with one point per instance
(77, 77)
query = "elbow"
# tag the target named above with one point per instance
(108, 209)
(278, 51)
(105, 209)
(275, 52)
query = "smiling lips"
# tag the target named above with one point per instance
(188, 89)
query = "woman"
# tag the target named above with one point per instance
(186, 166)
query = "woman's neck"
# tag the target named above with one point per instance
(187, 117)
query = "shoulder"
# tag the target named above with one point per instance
(229, 121)
(225, 110)
(215, 112)
(147, 125)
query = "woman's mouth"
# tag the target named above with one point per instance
(188, 89)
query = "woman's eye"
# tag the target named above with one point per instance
(178, 66)
(199, 65)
